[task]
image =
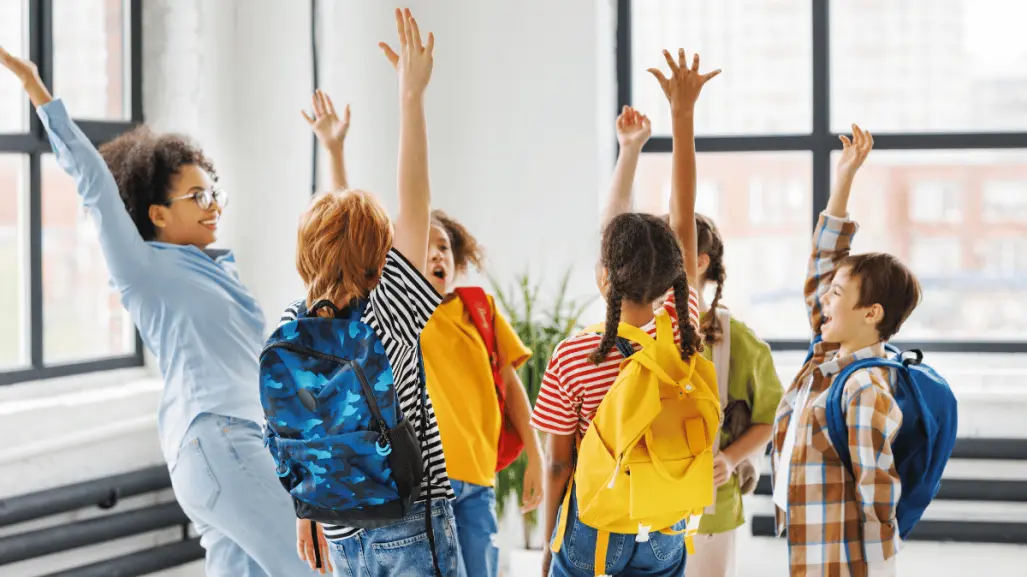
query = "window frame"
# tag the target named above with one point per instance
(821, 142)
(34, 144)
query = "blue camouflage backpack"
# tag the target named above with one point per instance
(926, 438)
(342, 446)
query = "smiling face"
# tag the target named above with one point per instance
(181, 220)
(441, 264)
(846, 322)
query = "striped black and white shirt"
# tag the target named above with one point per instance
(398, 309)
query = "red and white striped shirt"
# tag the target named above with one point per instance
(573, 387)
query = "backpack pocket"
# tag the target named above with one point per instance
(352, 479)
(671, 489)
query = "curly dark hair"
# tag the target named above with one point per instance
(466, 250)
(711, 244)
(643, 261)
(143, 164)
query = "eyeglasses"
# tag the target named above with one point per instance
(205, 199)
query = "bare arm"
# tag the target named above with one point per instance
(753, 440)
(832, 237)
(682, 90)
(633, 130)
(414, 64)
(853, 155)
(560, 454)
(520, 413)
(331, 132)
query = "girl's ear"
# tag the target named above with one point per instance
(159, 215)
(704, 264)
(602, 279)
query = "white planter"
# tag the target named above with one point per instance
(525, 563)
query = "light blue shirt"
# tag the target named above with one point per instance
(195, 316)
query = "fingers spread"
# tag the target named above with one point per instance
(673, 65)
(659, 76)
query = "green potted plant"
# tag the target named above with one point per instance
(541, 326)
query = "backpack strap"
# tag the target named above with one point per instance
(483, 316)
(837, 429)
(722, 363)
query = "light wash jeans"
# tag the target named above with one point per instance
(660, 556)
(401, 549)
(225, 481)
(477, 528)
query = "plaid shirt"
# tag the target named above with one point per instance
(839, 524)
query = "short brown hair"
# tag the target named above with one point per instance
(884, 280)
(343, 239)
(466, 249)
(143, 163)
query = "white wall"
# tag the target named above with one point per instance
(519, 112)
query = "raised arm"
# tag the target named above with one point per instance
(682, 90)
(413, 63)
(832, 238)
(123, 248)
(633, 130)
(331, 133)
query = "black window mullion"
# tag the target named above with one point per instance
(821, 107)
(136, 59)
(35, 260)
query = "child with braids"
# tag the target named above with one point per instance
(751, 384)
(753, 391)
(641, 261)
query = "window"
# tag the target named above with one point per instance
(13, 103)
(1006, 200)
(934, 201)
(58, 314)
(946, 66)
(763, 256)
(764, 46)
(945, 190)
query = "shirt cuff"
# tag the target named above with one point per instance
(840, 220)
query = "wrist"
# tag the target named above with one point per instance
(412, 96)
(631, 147)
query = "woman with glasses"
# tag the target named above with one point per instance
(156, 206)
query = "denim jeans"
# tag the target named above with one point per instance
(662, 555)
(225, 481)
(401, 549)
(477, 528)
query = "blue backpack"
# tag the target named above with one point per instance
(342, 446)
(926, 438)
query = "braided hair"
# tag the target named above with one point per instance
(643, 261)
(711, 244)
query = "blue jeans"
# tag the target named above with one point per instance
(401, 549)
(477, 528)
(662, 556)
(225, 481)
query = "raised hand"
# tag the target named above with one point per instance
(854, 151)
(330, 129)
(414, 60)
(633, 128)
(684, 85)
(26, 71)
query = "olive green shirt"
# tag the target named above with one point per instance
(753, 379)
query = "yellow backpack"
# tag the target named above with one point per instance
(646, 461)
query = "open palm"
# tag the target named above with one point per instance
(330, 129)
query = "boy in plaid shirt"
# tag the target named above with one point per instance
(840, 523)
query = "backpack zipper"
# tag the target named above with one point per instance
(365, 385)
